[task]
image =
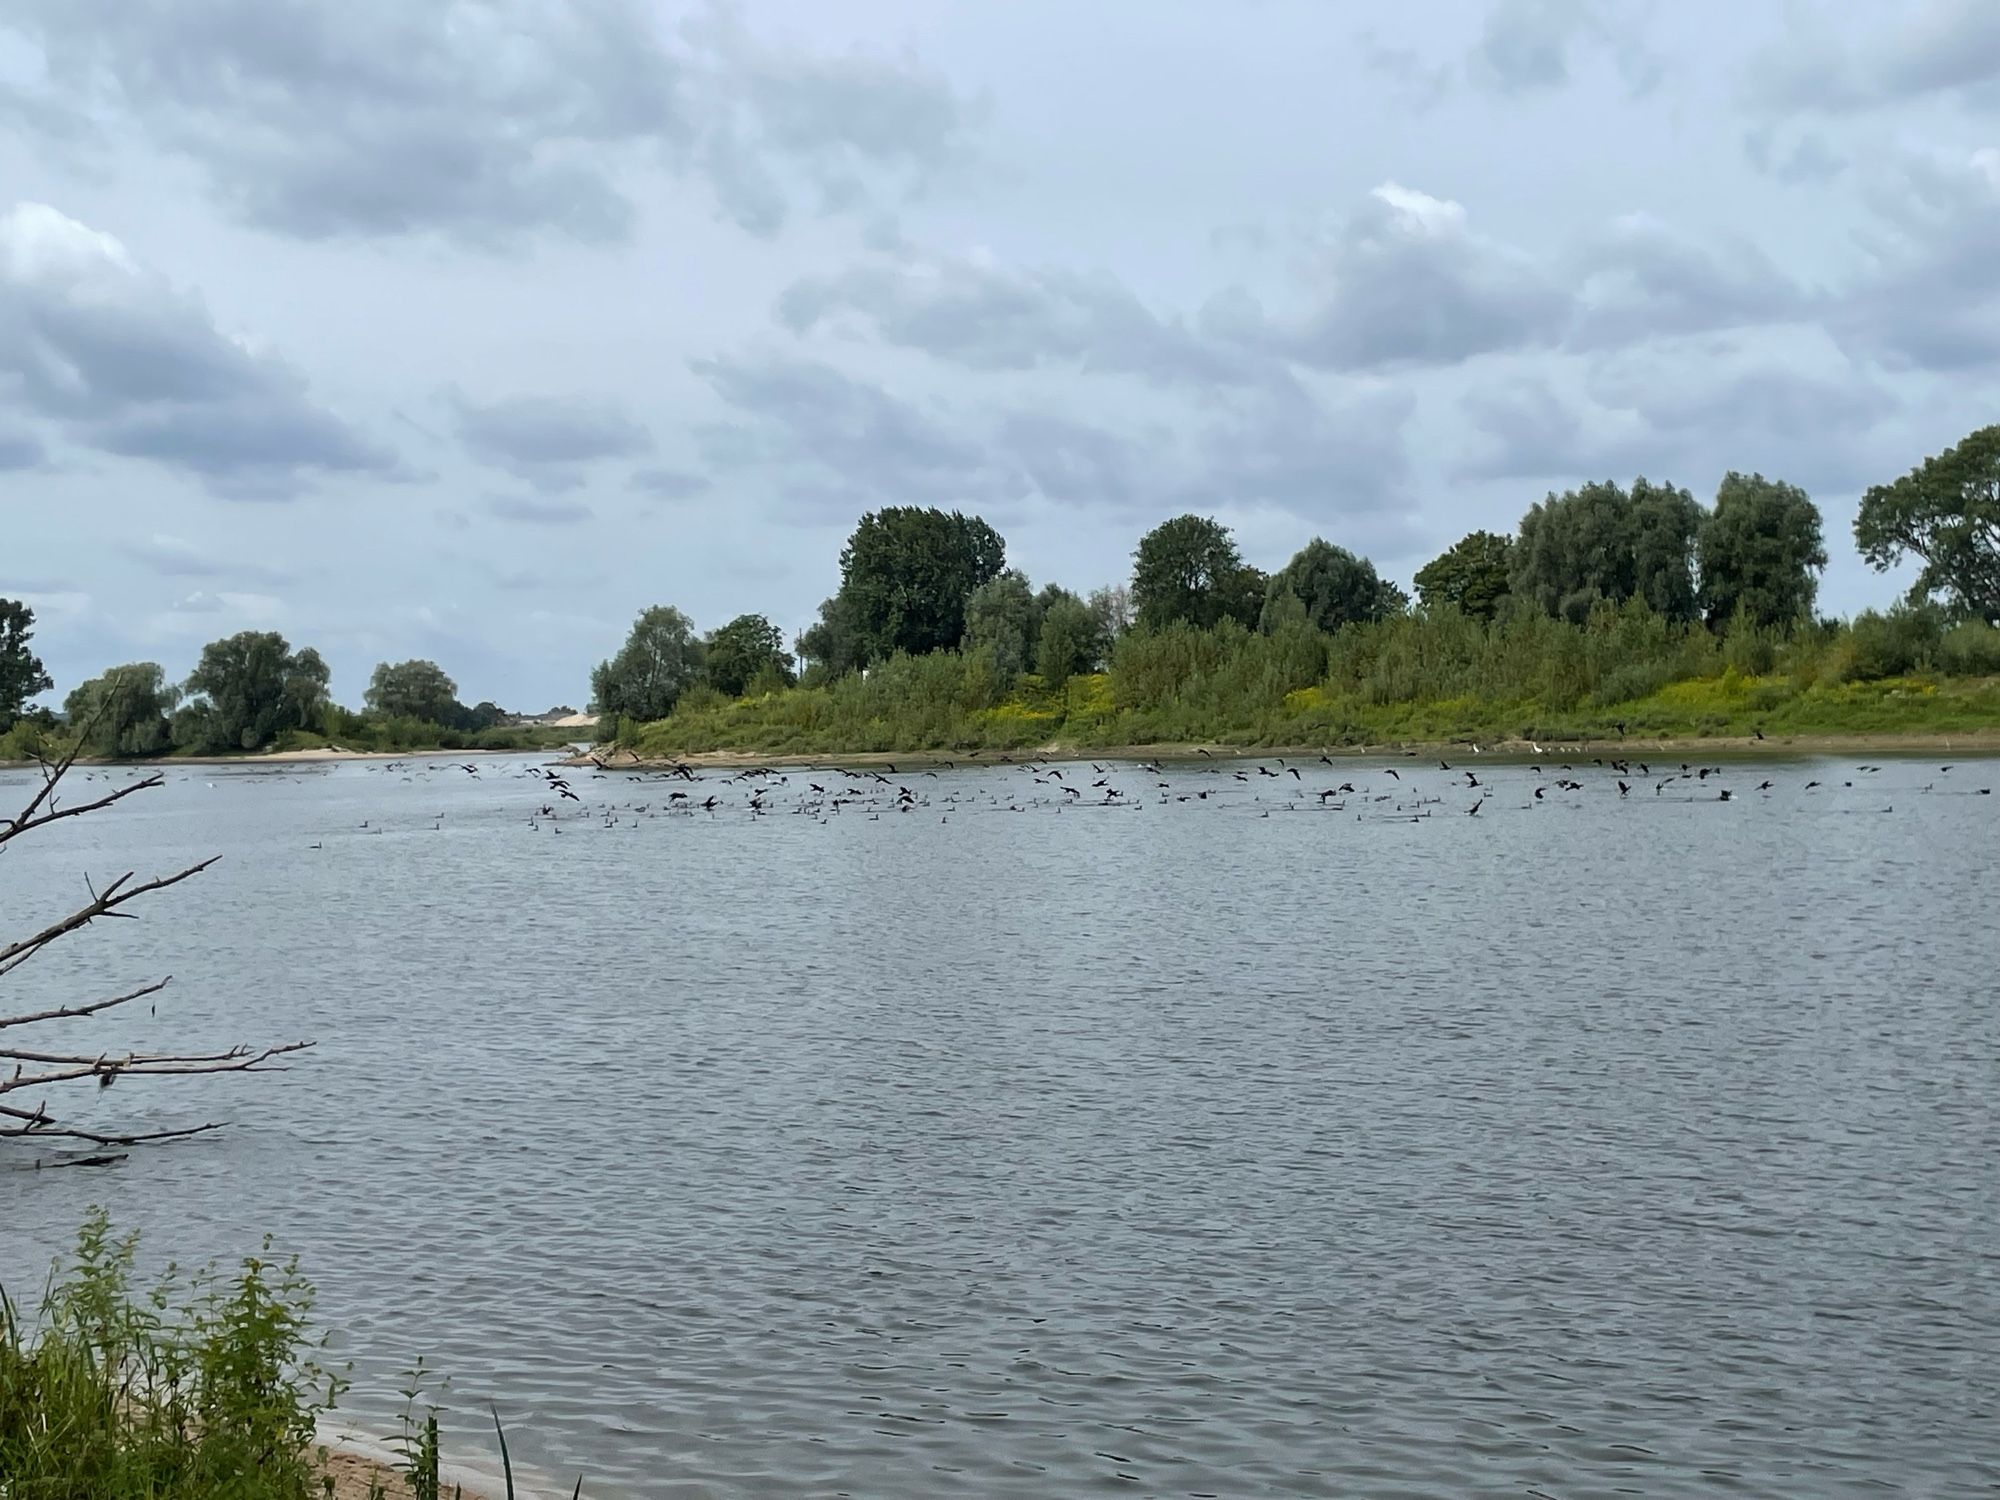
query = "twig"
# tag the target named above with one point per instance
(66, 1011)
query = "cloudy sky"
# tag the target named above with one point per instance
(467, 330)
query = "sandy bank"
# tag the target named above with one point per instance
(355, 1461)
(1978, 742)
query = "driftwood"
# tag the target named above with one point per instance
(28, 1076)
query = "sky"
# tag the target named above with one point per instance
(469, 330)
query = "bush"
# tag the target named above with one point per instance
(195, 1390)
(1971, 649)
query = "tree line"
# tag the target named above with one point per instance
(247, 692)
(916, 581)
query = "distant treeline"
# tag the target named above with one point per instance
(249, 692)
(1609, 605)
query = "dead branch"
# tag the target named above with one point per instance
(65, 1012)
(53, 1069)
(103, 903)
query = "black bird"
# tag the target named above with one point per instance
(1724, 797)
(1764, 786)
(1811, 784)
(1538, 793)
(1757, 732)
(1391, 770)
(1473, 811)
(1623, 789)
(1471, 780)
(1325, 761)
(1444, 765)
(1199, 751)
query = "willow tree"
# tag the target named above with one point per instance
(34, 1080)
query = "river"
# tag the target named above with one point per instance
(1250, 1144)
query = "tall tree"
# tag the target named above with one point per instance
(1759, 550)
(747, 649)
(1665, 523)
(1946, 512)
(1003, 615)
(1471, 576)
(125, 711)
(660, 660)
(1071, 641)
(1600, 542)
(413, 689)
(905, 575)
(1189, 569)
(21, 674)
(249, 689)
(831, 646)
(1113, 607)
(1334, 587)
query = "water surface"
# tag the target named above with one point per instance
(1248, 1145)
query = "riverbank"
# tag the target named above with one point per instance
(316, 756)
(1980, 742)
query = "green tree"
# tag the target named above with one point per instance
(1471, 577)
(659, 661)
(21, 674)
(1113, 607)
(1188, 569)
(1601, 542)
(906, 573)
(748, 649)
(1665, 523)
(414, 690)
(483, 715)
(1759, 549)
(125, 711)
(1005, 615)
(1071, 641)
(1946, 512)
(249, 689)
(831, 647)
(1334, 586)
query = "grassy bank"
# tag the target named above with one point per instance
(1416, 679)
(199, 1388)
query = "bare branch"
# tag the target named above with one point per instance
(28, 822)
(106, 1069)
(57, 1068)
(64, 1012)
(103, 903)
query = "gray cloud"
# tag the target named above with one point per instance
(535, 511)
(837, 121)
(1948, 47)
(129, 365)
(481, 120)
(1321, 459)
(1930, 297)
(174, 557)
(1525, 46)
(1405, 282)
(839, 435)
(1687, 413)
(670, 484)
(548, 441)
(20, 448)
(1640, 279)
(987, 317)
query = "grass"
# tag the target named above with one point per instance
(204, 1388)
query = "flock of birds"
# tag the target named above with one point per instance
(597, 795)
